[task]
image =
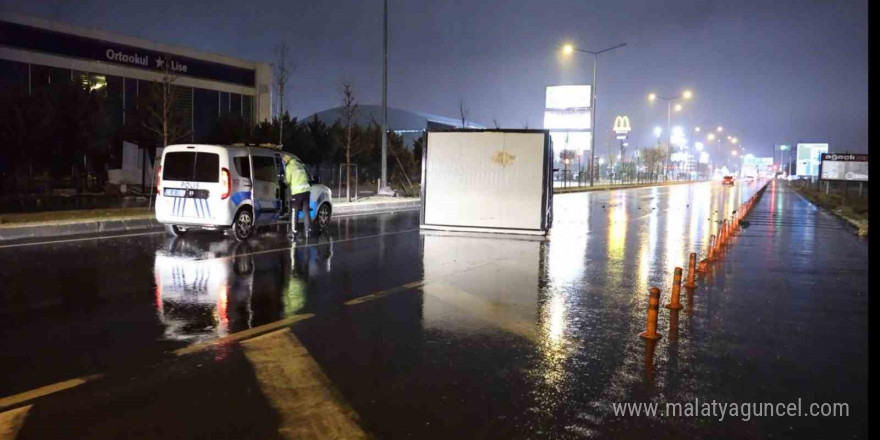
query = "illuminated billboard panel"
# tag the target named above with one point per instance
(852, 167)
(567, 120)
(809, 158)
(568, 97)
(570, 140)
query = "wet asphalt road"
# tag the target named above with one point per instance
(431, 335)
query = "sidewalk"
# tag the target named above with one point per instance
(91, 221)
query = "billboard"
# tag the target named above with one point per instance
(567, 119)
(568, 97)
(567, 114)
(809, 158)
(853, 167)
(571, 140)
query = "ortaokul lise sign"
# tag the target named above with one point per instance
(135, 58)
(57, 43)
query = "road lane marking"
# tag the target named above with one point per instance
(384, 293)
(305, 399)
(46, 390)
(11, 422)
(244, 334)
(302, 246)
(105, 237)
(73, 240)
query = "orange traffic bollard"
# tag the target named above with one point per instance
(703, 266)
(650, 371)
(653, 306)
(674, 302)
(711, 248)
(673, 325)
(692, 268)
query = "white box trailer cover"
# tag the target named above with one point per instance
(487, 180)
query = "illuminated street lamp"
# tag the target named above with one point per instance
(569, 49)
(687, 94)
(697, 129)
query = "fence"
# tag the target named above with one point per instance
(847, 190)
(363, 182)
(628, 173)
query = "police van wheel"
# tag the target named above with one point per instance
(175, 230)
(243, 226)
(322, 218)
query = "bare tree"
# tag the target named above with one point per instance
(349, 116)
(525, 124)
(497, 125)
(282, 71)
(163, 118)
(464, 112)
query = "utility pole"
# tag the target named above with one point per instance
(384, 182)
(569, 49)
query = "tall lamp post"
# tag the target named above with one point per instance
(383, 187)
(669, 100)
(568, 49)
(783, 148)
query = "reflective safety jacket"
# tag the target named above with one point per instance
(296, 176)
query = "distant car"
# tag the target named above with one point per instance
(727, 180)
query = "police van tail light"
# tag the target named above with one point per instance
(158, 178)
(226, 182)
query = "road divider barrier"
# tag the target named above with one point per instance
(650, 332)
(692, 268)
(728, 229)
(674, 299)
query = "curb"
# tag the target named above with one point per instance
(144, 224)
(616, 187)
(389, 206)
(44, 231)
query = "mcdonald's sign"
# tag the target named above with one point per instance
(621, 125)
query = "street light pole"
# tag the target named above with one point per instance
(593, 115)
(568, 49)
(668, 137)
(384, 96)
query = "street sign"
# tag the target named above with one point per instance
(621, 125)
(621, 137)
(848, 167)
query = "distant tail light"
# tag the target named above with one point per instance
(158, 178)
(226, 182)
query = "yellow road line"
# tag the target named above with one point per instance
(244, 334)
(302, 246)
(308, 405)
(46, 390)
(384, 293)
(11, 422)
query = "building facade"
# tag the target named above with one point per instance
(35, 52)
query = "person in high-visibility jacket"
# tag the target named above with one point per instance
(297, 180)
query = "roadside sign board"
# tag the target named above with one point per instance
(848, 167)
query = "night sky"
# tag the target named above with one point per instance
(770, 71)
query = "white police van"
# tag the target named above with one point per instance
(229, 187)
